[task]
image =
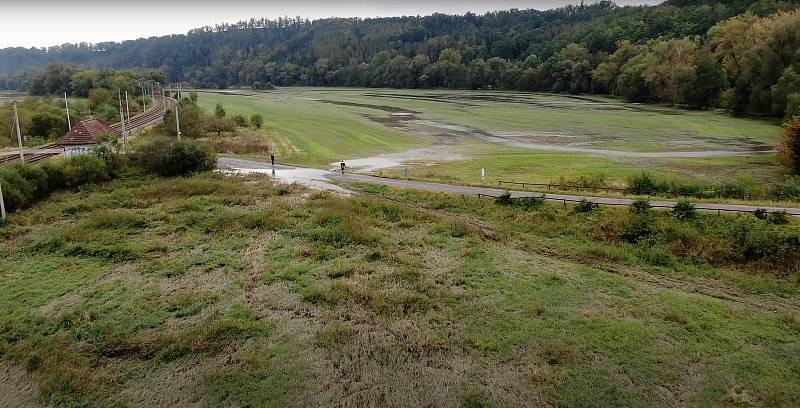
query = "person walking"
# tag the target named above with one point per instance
(272, 158)
(342, 165)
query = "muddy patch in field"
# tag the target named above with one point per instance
(444, 133)
(386, 108)
(532, 99)
(416, 157)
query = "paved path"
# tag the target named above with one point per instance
(487, 191)
(469, 190)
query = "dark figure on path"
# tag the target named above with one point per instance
(343, 166)
(272, 158)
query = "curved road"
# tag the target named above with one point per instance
(243, 164)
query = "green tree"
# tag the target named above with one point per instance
(706, 86)
(219, 111)
(789, 149)
(607, 72)
(671, 65)
(46, 124)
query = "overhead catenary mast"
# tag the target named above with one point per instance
(177, 116)
(127, 109)
(19, 134)
(122, 118)
(66, 104)
(144, 101)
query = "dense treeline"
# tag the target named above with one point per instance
(736, 54)
(44, 119)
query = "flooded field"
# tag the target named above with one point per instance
(451, 135)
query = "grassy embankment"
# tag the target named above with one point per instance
(321, 133)
(233, 291)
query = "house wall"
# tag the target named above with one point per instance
(77, 150)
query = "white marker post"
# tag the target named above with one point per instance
(66, 104)
(483, 174)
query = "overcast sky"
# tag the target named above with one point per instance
(39, 23)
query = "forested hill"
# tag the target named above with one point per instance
(659, 53)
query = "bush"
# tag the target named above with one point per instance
(529, 203)
(789, 189)
(684, 210)
(239, 120)
(219, 125)
(637, 227)
(585, 206)
(257, 120)
(640, 207)
(778, 218)
(24, 184)
(85, 169)
(504, 199)
(642, 183)
(752, 239)
(168, 157)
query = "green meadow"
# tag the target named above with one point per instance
(234, 291)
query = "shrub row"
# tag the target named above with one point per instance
(646, 184)
(168, 157)
(24, 184)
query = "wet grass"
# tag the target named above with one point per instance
(317, 126)
(237, 292)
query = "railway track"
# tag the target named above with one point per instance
(143, 121)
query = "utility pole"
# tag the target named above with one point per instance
(127, 107)
(144, 101)
(66, 103)
(122, 117)
(177, 117)
(19, 134)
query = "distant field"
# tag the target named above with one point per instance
(515, 136)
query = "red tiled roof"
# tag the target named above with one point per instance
(86, 132)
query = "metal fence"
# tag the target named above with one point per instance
(698, 206)
(579, 188)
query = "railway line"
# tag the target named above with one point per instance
(142, 121)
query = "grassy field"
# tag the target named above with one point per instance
(216, 291)
(317, 126)
(313, 133)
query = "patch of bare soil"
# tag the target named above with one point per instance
(172, 385)
(17, 388)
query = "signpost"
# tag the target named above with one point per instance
(66, 103)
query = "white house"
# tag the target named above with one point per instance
(83, 137)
